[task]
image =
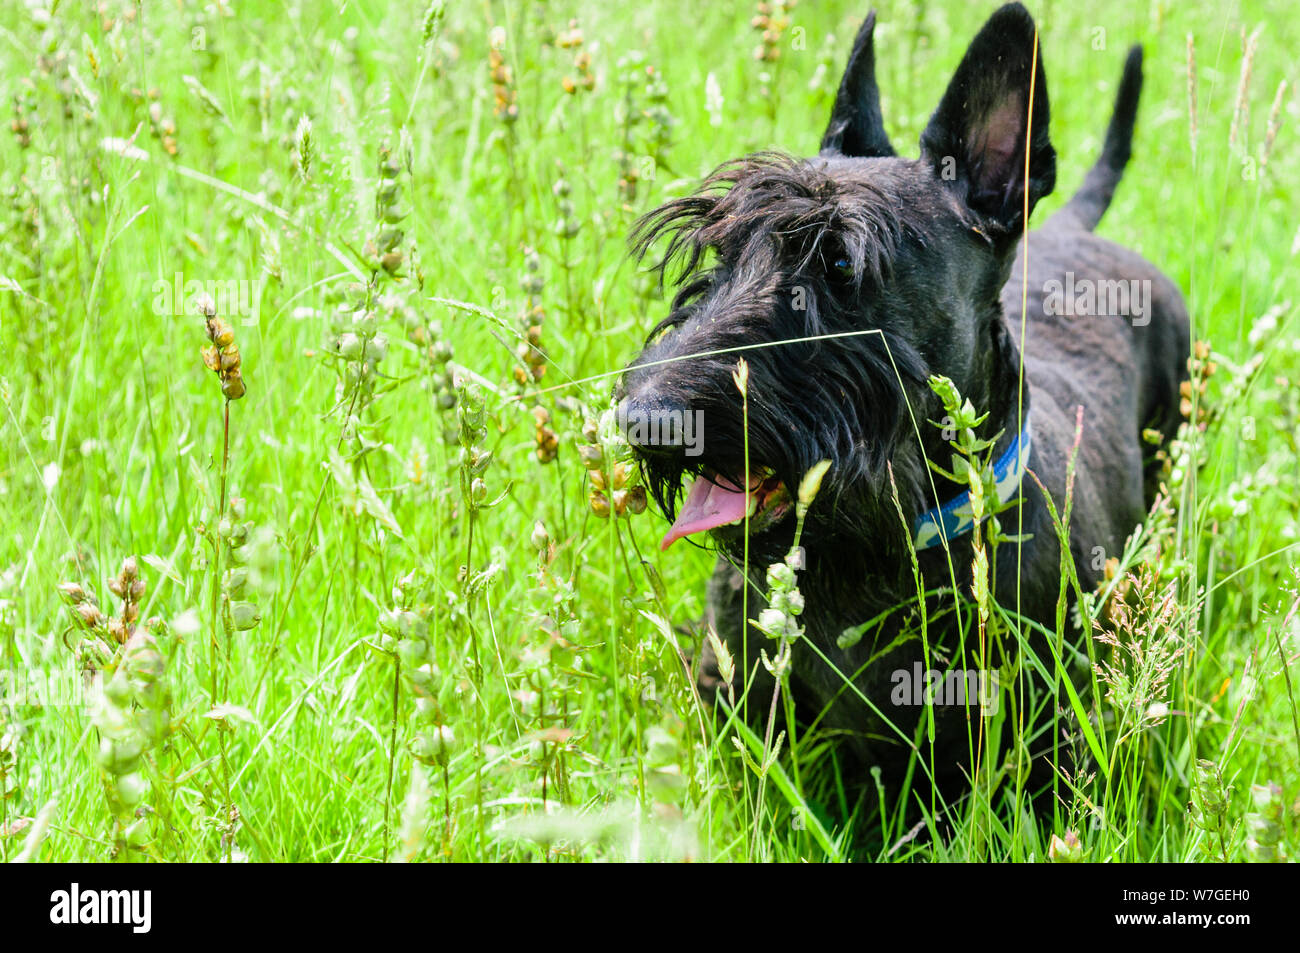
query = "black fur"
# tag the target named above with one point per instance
(926, 252)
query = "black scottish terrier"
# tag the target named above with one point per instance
(782, 259)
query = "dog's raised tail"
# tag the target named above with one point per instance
(1089, 204)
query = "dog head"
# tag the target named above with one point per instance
(844, 280)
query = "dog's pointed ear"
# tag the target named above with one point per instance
(995, 106)
(856, 127)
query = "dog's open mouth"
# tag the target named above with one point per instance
(713, 501)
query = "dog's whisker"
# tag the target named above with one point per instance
(716, 352)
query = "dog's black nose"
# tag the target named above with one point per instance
(655, 424)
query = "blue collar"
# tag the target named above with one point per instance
(955, 517)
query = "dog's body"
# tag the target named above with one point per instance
(929, 253)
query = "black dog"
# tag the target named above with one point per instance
(927, 253)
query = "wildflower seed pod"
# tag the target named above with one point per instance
(88, 614)
(350, 346)
(413, 653)
(244, 615)
(425, 747)
(388, 620)
(636, 500)
(548, 445)
(394, 213)
(221, 333)
(570, 38)
(365, 322)
(72, 593)
(1065, 850)
(117, 756)
(237, 536)
(141, 659)
(777, 624)
(234, 580)
(91, 656)
(426, 678)
(1265, 834)
(780, 577)
(599, 504)
(540, 538)
(411, 625)
(586, 79)
(528, 702)
(131, 788)
(434, 746)
(152, 723)
(1208, 777)
(137, 833)
(145, 669)
(472, 417)
(118, 689)
(107, 715)
(388, 191)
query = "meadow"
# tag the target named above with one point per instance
(316, 540)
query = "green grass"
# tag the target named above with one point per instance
(557, 722)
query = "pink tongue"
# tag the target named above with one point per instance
(707, 505)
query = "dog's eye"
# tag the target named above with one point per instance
(844, 267)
